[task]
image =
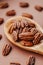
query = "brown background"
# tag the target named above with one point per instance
(17, 54)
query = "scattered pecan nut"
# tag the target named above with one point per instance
(31, 61)
(6, 50)
(12, 63)
(11, 13)
(23, 4)
(4, 5)
(0, 36)
(1, 20)
(39, 8)
(27, 15)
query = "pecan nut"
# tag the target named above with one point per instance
(1, 20)
(26, 36)
(11, 13)
(18, 24)
(12, 63)
(22, 24)
(23, 4)
(26, 29)
(30, 24)
(6, 50)
(31, 61)
(26, 43)
(4, 5)
(12, 27)
(15, 35)
(34, 30)
(36, 38)
(0, 36)
(27, 15)
(38, 8)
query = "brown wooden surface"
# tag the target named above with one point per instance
(17, 54)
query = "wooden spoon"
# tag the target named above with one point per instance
(36, 48)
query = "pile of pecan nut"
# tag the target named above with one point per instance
(25, 32)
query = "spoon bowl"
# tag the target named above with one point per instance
(36, 48)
